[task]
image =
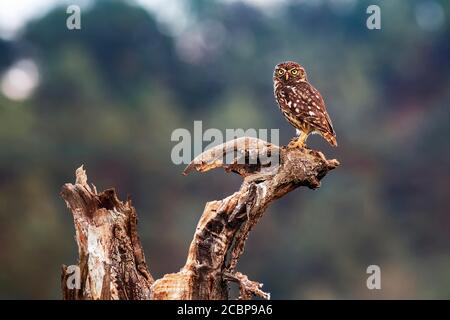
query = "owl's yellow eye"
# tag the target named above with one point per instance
(280, 72)
(294, 72)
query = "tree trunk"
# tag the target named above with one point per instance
(111, 259)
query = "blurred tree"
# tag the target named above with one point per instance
(110, 94)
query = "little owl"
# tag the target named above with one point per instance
(301, 104)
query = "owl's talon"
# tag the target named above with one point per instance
(299, 142)
(294, 144)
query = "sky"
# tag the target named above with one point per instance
(15, 14)
(173, 14)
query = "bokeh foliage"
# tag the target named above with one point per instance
(111, 94)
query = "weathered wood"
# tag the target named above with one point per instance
(111, 260)
(219, 238)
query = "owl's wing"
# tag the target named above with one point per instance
(317, 98)
(309, 107)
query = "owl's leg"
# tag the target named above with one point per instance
(299, 142)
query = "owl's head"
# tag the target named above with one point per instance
(289, 72)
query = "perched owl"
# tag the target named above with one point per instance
(301, 103)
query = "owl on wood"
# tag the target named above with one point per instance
(301, 104)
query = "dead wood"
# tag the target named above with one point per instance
(111, 260)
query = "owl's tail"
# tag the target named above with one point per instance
(330, 138)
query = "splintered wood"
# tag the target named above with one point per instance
(111, 260)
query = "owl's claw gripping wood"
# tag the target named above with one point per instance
(298, 142)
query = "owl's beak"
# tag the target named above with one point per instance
(286, 76)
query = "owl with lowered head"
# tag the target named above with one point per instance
(301, 104)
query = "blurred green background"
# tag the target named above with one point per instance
(109, 96)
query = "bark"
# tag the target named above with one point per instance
(111, 260)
